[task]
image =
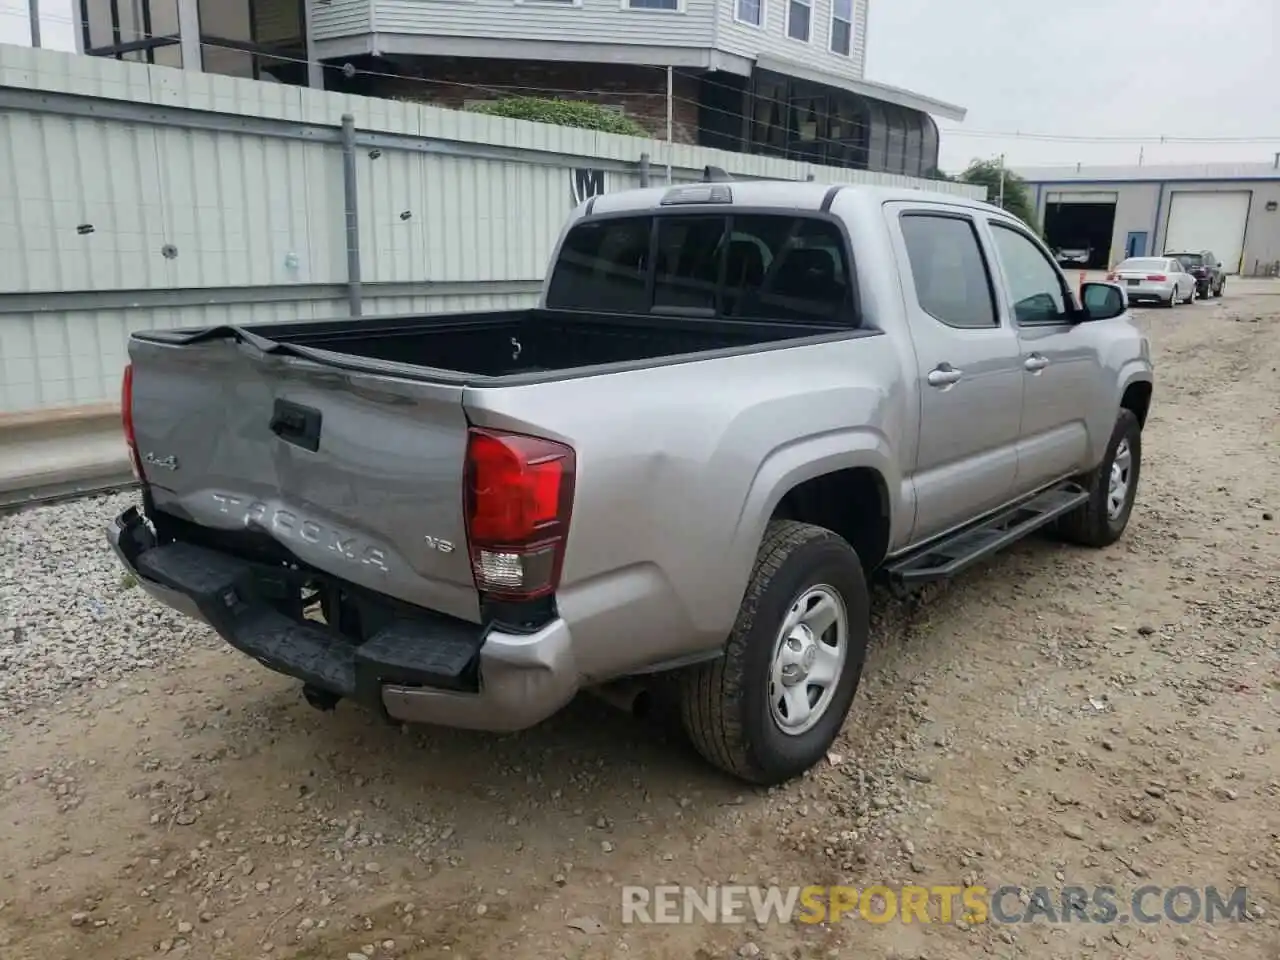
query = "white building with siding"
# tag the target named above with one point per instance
(777, 77)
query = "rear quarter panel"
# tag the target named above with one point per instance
(679, 468)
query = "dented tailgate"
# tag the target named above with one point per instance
(358, 474)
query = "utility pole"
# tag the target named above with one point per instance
(670, 117)
(1000, 202)
(33, 13)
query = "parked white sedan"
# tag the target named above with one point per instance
(1160, 279)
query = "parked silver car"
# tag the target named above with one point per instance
(1161, 279)
(1074, 256)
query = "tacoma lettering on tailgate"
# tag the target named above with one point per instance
(286, 525)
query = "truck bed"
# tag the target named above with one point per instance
(510, 343)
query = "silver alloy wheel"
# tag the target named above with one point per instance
(1118, 486)
(808, 659)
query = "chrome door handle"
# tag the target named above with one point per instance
(944, 375)
(1036, 362)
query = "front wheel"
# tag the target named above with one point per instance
(1100, 521)
(768, 709)
(1221, 287)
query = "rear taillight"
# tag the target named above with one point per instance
(1157, 277)
(126, 416)
(519, 495)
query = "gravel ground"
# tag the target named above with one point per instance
(1060, 716)
(68, 614)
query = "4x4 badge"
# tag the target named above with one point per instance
(167, 463)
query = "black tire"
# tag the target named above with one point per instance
(725, 704)
(1221, 287)
(1190, 296)
(1088, 524)
(1172, 301)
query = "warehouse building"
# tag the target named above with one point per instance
(1232, 210)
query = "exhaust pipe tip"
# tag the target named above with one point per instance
(629, 697)
(322, 700)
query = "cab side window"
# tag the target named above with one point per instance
(949, 271)
(1034, 285)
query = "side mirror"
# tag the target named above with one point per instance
(1102, 301)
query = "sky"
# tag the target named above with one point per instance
(1084, 72)
(1088, 68)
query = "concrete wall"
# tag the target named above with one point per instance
(1145, 205)
(136, 196)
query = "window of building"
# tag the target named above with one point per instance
(263, 39)
(842, 27)
(749, 11)
(799, 15)
(950, 273)
(143, 30)
(770, 267)
(675, 5)
(1034, 282)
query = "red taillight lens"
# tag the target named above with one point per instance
(1157, 277)
(519, 495)
(126, 417)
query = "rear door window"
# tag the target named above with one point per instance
(948, 270)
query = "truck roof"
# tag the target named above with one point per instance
(803, 195)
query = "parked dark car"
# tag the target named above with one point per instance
(1204, 266)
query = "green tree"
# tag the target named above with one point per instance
(1017, 198)
(564, 113)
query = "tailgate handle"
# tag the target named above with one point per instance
(296, 424)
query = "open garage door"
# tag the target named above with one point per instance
(1078, 224)
(1207, 220)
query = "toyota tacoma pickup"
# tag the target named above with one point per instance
(734, 405)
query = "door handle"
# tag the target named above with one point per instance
(1036, 362)
(944, 375)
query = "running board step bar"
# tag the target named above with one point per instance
(960, 550)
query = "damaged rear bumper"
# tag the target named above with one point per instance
(420, 667)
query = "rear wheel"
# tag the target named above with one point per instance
(1190, 296)
(1172, 301)
(769, 708)
(1101, 520)
(1222, 285)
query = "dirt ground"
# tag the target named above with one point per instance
(1059, 716)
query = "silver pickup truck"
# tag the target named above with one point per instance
(735, 405)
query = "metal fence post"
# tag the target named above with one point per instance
(644, 170)
(351, 204)
(33, 12)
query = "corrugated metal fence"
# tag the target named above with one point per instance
(134, 197)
